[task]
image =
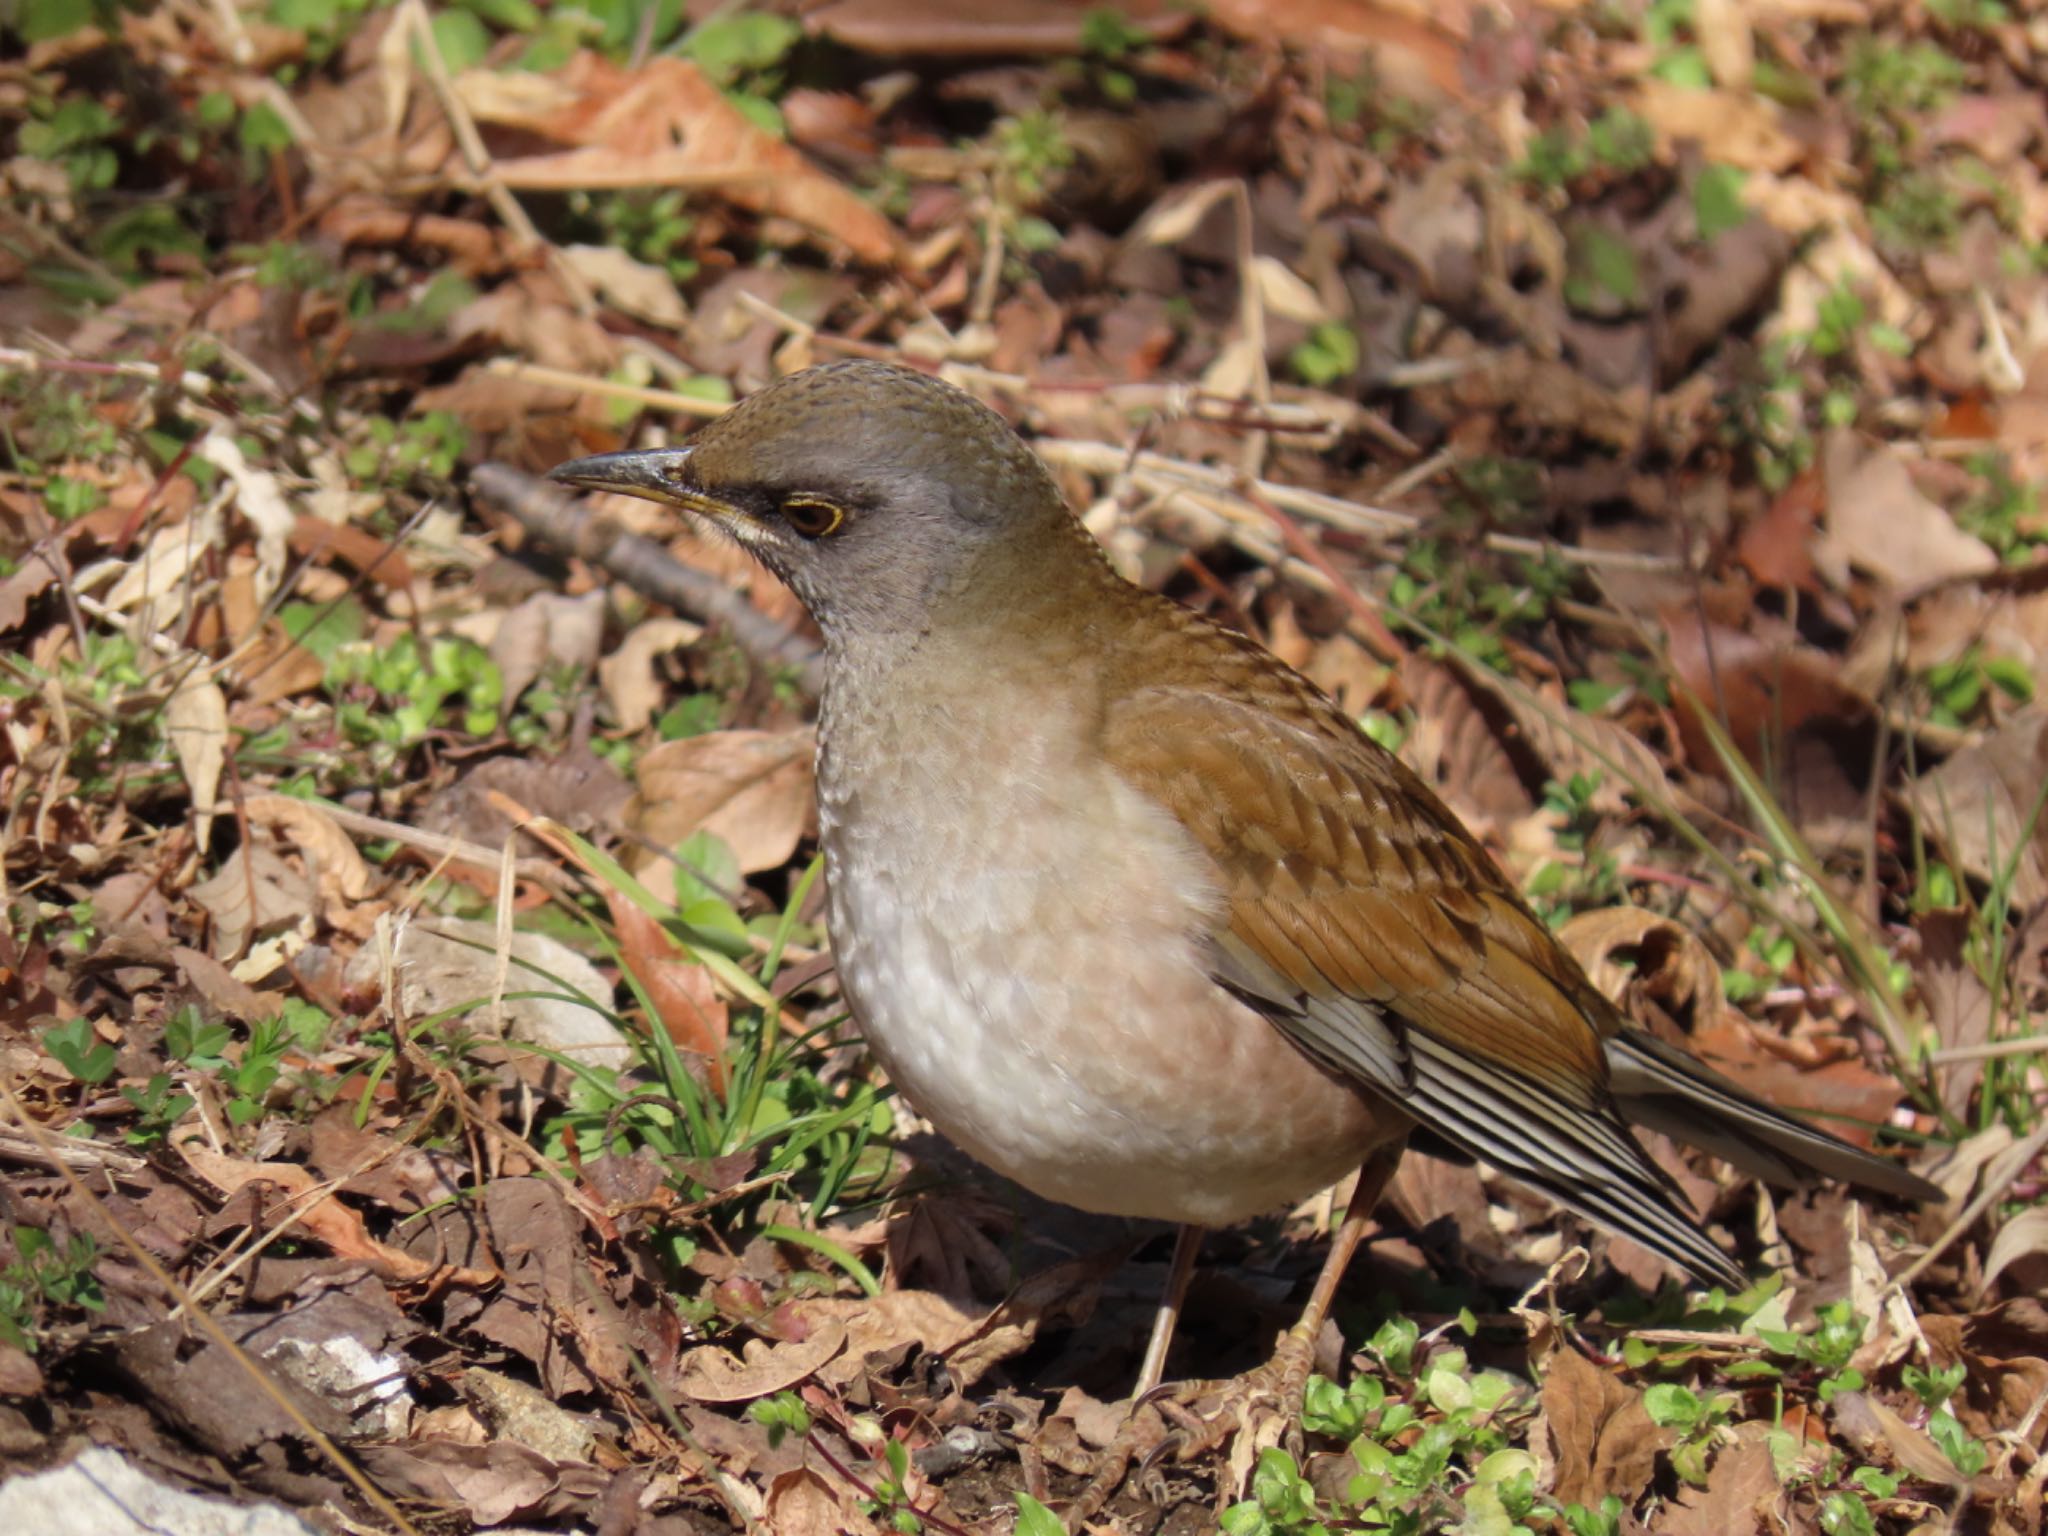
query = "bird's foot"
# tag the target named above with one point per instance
(1188, 1421)
(1141, 1438)
(1250, 1414)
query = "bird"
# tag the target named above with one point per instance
(1133, 912)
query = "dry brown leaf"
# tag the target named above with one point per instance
(379, 560)
(1603, 1437)
(678, 988)
(1959, 1004)
(317, 1213)
(1980, 801)
(19, 1374)
(491, 1484)
(223, 992)
(948, 29)
(1823, 1075)
(885, 1324)
(1722, 26)
(637, 287)
(751, 788)
(1418, 50)
(2006, 1353)
(339, 873)
(1869, 1424)
(665, 124)
(1787, 709)
(1739, 129)
(1456, 747)
(712, 1375)
(254, 890)
(627, 673)
(2024, 1237)
(549, 629)
(1669, 961)
(196, 725)
(1879, 521)
(1742, 1485)
(802, 1503)
(1573, 744)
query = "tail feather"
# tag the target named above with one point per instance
(1662, 1088)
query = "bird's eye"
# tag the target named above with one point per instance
(813, 517)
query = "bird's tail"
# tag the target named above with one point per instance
(1663, 1088)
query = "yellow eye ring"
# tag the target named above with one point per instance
(814, 517)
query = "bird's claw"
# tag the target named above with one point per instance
(1249, 1413)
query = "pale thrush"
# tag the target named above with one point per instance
(1128, 908)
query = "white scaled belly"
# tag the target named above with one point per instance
(1043, 1016)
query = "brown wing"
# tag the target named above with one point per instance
(1362, 919)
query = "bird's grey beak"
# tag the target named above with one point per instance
(654, 474)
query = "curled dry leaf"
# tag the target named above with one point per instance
(627, 674)
(196, 725)
(713, 1375)
(1667, 959)
(750, 788)
(339, 873)
(802, 1503)
(2024, 1238)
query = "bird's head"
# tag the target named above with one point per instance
(875, 492)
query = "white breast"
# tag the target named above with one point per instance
(1038, 1014)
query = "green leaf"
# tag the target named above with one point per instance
(322, 628)
(727, 47)
(263, 130)
(1685, 67)
(41, 20)
(462, 39)
(1604, 270)
(1034, 1519)
(81, 1052)
(1717, 204)
(759, 111)
(1670, 1405)
(508, 15)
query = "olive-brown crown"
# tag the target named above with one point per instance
(875, 436)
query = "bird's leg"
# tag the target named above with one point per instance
(1296, 1353)
(1141, 1429)
(1270, 1396)
(1256, 1409)
(1185, 1246)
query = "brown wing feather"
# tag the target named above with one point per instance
(1345, 875)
